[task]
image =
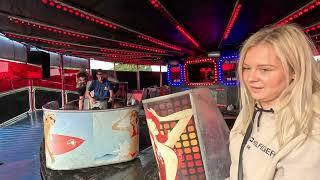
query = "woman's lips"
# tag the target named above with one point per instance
(255, 89)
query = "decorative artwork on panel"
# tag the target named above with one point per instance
(56, 144)
(227, 67)
(76, 140)
(49, 120)
(200, 72)
(132, 130)
(175, 75)
(174, 138)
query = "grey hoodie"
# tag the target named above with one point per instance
(262, 158)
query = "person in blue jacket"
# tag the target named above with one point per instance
(103, 92)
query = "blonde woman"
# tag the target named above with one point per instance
(277, 133)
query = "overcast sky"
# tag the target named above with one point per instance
(94, 64)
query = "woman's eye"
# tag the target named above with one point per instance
(245, 68)
(265, 69)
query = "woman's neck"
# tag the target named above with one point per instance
(265, 105)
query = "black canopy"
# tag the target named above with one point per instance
(147, 31)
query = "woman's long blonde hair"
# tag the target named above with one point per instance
(295, 51)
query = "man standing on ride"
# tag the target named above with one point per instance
(81, 87)
(103, 92)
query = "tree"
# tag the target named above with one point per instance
(131, 67)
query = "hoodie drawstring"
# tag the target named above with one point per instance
(247, 136)
(256, 109)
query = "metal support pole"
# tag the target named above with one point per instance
(114, 71)
(62, 81)
(31, 95)
(89, 62)
(138, 78)
(160, 77)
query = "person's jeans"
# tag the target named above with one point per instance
(101, 105)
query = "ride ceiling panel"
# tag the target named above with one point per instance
(258, 14)
(205, 20)
(139, 15)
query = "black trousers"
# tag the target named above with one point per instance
(109, 105)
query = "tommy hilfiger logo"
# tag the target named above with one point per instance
(262, 147)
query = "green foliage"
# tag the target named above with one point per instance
(131, 67)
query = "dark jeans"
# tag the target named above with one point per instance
(109, 105)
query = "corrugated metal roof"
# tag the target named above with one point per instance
(20, 147)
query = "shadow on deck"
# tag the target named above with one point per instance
(144, 167)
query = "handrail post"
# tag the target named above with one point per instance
(62, 82)
(31, 96)
(160, 77)
(138, 78)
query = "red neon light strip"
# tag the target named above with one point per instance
(12, 35)
(303, 10)
(132, 61)
(232, 20)
(111, 58)
(82, 14)
(59, 43)
(155, 41)
(141, 47)
(105, 50)
(124, 56)
(312, 28)
(157, 5)
(79, 35)
(185, 34)
(120, 59)
(111, 25)
(47, 28)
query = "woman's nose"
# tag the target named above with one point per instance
(252, 75)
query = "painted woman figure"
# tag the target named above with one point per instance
(49, 120)
(133, 131)
(164, 143)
